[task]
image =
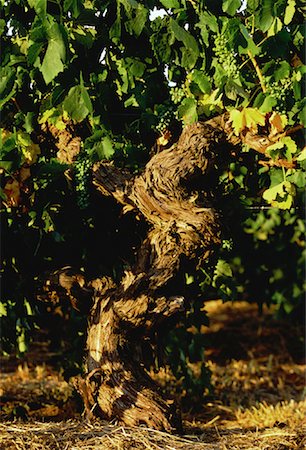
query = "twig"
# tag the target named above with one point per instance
(278, 163)
(258, 71)
(294, 129)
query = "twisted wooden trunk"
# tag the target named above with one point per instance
(182, 223)
(117, 386)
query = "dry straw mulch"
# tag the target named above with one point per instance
(75, 435)
(258, 404)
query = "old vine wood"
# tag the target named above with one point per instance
(95, 95)
(182, 223)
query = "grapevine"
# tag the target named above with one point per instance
(82, 168)
(226, 58)
(281, 91)
(165, 117)
(177, 94)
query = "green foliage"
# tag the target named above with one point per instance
(113, 76)
(82, 167)
(77, 103)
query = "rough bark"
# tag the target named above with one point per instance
(182, 223)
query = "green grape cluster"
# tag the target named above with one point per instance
(177, 94)
(165, 117)
(281, 91)
(227, 244)
(82, 175)
(226, 58)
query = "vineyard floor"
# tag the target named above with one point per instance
(258, 374)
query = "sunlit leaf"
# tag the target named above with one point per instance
(223, 269)
(280, 195)
(247, 118)
(275, 27)
(53, 62)
(188, 110)
(277, 122)
(289, 12)
(271, 193)
(21, 339)
(302, 155)
(29, 150)
(286, 143)
(3, 310)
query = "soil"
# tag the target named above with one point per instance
(257, 364)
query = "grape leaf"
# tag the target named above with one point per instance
(207, 22)
(298, 178)
(189, 58)
(223, 269)
(250, 44)
(161, 42)
(21, 339)
(302, 114)
(40, 6)
(77, 103)
(275, 27)
(282, 70)
(107, 147)
(137, 68)
(284, 204)
(230, 6)
(280, 195)
(34, 52)
(302, 155)
(289, 12)
(170, 3)
(3, 310)
(277, 122)
(191, 51)
(202, 81)
(252, 5)
(7, 84)
(264, 18)
(2, 28)
(247, 118)
(55, 55)
(188, 110)
(183, 36)
(285, 142)
(137, 14)
(268, 103)
(74, 5)
(115, 29)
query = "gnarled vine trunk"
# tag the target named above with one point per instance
(182, 223)
(117, 385)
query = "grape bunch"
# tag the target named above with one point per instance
(226, 58)
(281, 91)
(82, 175)
(177, 94)
(165, 117)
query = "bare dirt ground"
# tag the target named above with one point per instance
(259, 401)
